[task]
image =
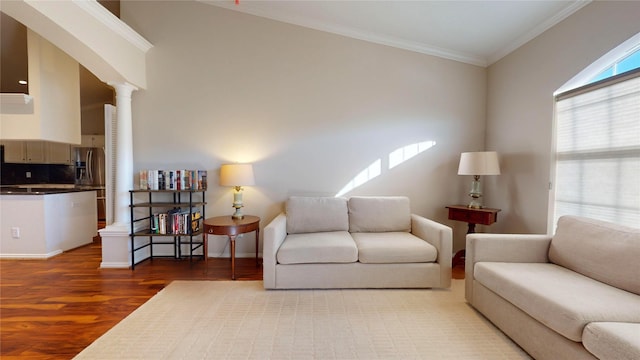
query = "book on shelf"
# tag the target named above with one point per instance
(144, 179)
(176, 222)
(181, 179)
(195, 221)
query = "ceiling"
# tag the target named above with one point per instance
(476, 32)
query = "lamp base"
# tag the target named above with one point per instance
(238, 214)
(237, 204)
(476, 194)
(475, 204)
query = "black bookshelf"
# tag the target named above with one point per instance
(184, 213)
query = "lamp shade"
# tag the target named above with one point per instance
(479, 163)
(236, 175)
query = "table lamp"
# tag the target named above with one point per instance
(237, 175)
(476, 164)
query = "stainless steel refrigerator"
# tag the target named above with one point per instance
(90, 174)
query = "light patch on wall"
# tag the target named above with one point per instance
(396, 158)
(364, 176)
(405, 153)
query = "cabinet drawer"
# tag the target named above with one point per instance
(475, 216)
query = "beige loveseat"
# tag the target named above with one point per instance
(574, 295)
(363, 242)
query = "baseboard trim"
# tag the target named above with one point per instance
(114, 265)
(31, 256)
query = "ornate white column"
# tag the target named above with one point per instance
(116, 252)
(123, 152)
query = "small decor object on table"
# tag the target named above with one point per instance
(232, 227)
(476, 164)
(237, 175)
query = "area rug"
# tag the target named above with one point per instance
(241, 320)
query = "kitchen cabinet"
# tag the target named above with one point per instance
(14, 151)
(92, 141)
(58, 153)
(34, 151)
(24, 152)
(37, 152)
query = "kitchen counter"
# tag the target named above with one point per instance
(45, 189)
(38, 227)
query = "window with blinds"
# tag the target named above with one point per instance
(598, 151)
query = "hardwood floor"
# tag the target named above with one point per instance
(52, 309)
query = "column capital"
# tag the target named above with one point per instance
(122, 88)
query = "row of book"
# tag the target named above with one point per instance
(177, 221)
(173, 179)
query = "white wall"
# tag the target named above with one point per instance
(520, 106)
(309, 109)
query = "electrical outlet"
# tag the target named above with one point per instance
(15, 232)
(28, 174)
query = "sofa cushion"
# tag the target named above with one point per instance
(393, 247)
(600, 250)
(316, 214)
(319, 247)
(612, 340)
(561, 299)
(379, 214)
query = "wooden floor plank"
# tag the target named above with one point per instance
(54, 308)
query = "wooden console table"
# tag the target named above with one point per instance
(483, 216)
(226, 225)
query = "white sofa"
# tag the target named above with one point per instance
(574, 295)
(363, 242)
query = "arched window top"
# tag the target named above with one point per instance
(627, 63)
(623, 58)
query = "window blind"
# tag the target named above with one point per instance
(598, 152)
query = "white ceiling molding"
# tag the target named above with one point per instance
(533, 33)
(354, 33)
(90, 34)
(486, 27)
(101, 14)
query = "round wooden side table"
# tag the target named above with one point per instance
(226, 225)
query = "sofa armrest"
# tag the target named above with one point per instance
(440, 236)
(522, 248)
(273, 236)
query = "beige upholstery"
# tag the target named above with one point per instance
(320, 247)
(551, 294)
(613, 340)
(586, 246)
(548, 293)
(393, 247)
(379, 214)
(534, 337)
(307, 255)
(316, 214)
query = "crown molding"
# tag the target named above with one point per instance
(105, 17)
(551, 22)
(423, 48)
(357, 34)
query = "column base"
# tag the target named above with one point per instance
(116, 251)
